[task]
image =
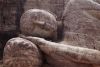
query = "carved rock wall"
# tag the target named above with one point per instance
(82, 23)
(11, 11)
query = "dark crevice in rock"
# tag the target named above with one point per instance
(20, 10)
(60, 31)
(4, 37)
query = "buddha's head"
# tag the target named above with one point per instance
(39, 23)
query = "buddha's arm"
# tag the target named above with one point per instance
(67, 52)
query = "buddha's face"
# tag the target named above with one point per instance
(39, 23)
(41, 30)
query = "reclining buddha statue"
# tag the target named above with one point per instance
(45, 42)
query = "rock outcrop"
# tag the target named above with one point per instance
(11, 11)
(40, 23)
(81, 25)
(20, 52)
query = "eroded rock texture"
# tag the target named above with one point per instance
(11, 11)
(21, 53)
(1, 50)
(81, 26)
(54, 6)
(40, 23)
(59, 55)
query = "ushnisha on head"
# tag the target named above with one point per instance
(39, 23)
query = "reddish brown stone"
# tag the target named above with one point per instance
(20, 52)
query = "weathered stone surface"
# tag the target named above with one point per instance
(54, 6)
(20, 52)
(81, 28)
(10, 15)
(62, 55)
(36, 22)
(11, 11)
(78, 20)
(0, 50)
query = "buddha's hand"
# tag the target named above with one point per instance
(35, 40)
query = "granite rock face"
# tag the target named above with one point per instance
(39, 23)
(54, 6)
(82, 23)
(11, 11)
(9, 17)
(20, 52)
